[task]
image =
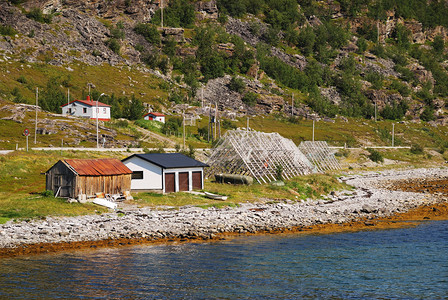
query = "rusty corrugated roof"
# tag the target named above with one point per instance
(98, 167)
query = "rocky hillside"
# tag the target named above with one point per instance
(310, 59)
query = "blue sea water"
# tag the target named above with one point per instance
(409, 263)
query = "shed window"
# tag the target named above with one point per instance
(84, 110)
(137, 175)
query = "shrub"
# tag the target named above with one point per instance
(416, 149)
(375, 156)
(149, 32)
(122, 123)
(376, 79)
(250, 98)
(227, 124)
(22, 79)
(237, 85)
(279, 172)
(117, 32)
(7, 30)
(362, 45)
(114, 45)
(37, 15)
(428, 114)
(47, 194)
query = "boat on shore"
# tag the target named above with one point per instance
(215, 196)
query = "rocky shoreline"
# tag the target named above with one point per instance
(370, 199)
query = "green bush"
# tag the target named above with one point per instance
(375, 156)
(149, 32)
(250, 98)
(7, 30)
(416, 149)
(237, 85)
(114, 45)
(47, 194)
(22, 79)
(37, 15)
(428, 114)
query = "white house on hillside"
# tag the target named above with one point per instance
(155, 116)
(87, 109)
(165, 172)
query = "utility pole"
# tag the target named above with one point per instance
(161, 12)
(35, 127)
(292, 105)
(68, 96)
(183, 124)
(375, 110)
(378, 32)
(247, 126)
(393, 133)
(97, 111)
(216, 119)
(313, 130)
(209, 122)
(202, 97)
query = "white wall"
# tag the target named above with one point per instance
(77, 109)
(159, 119)
(152, 174)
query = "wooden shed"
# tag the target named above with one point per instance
(72, 177)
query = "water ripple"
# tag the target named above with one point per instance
(392, 264)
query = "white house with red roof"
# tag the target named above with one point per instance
(87, 109)
(155, 116)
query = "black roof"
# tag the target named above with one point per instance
(169, 160)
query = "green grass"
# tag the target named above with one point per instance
(106, 78)
(312, 186)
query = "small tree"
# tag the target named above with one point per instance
(237, 85)
(149, 32)
(250, 98)
(375, 156)
(438, 44)
(416, 149)
(279, 172)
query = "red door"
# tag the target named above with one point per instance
(183, 181)
(197, 180)
(170, 183)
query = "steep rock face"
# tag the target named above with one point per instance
(421, 74)
(83, 38)
(372, 63)
(383, 98)
(138, 10)
(206, 10)
(252, 33)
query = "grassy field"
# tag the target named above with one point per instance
(25, 77)
(22, 182)
(300, 188)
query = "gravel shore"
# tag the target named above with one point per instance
(369, 199)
